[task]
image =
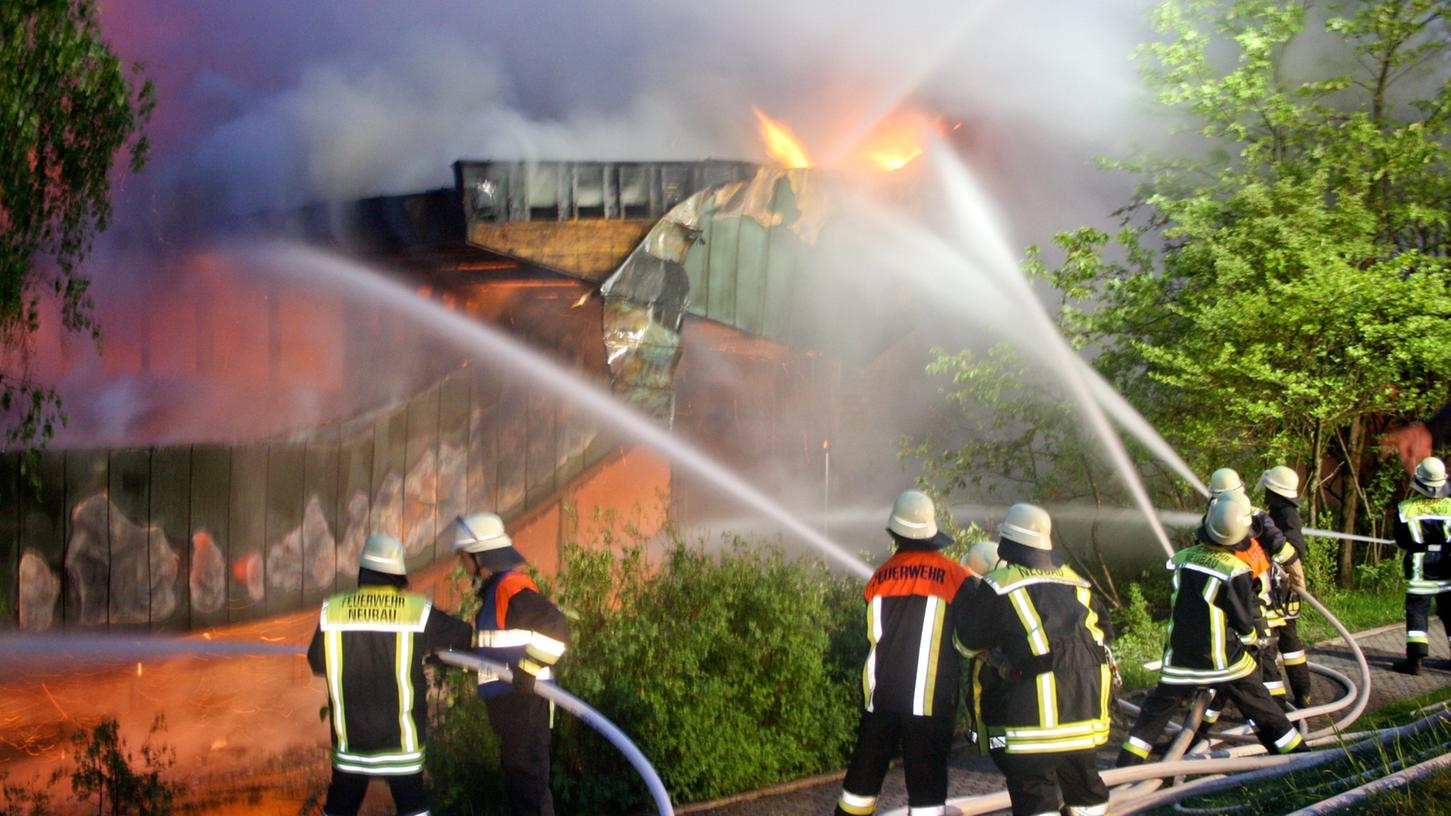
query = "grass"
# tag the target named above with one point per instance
(1297, 790)
(1358, 609)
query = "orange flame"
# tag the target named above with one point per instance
(898, 139)
(781, 144)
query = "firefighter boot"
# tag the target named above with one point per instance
(1411, 665)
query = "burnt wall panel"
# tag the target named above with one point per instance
(87, 539)
(283, 531)
(247, 528)
(208, 550)
(355, 499)
(420, 485)
(483, 495)
(322, 485)
(542, 448)
(133, 588)
(9, 541)
(390, 442)
(42, 546)
(170, 488)
(455, 401)
(513, 441)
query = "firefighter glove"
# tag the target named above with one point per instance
(523, 680)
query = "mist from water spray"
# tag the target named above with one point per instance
(492, 347)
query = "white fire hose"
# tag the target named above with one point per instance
(1133, 798)
(585, 712)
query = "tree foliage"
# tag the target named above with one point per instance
(67, 109)
(1279, 290)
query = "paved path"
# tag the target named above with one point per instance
(970, 774)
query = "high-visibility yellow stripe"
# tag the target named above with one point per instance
(1047, 700)
(333, 658)
(1216, 624)
(857, 805)
(403, 663)
(1085, 597)
(874, 634)
(936, 611)
(1032, 625)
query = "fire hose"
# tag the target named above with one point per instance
(1134, 798)
(585, 712)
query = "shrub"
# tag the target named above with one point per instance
(1140, 639)
(103, 770)
(730, 670)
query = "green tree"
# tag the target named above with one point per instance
(67, 109)
(1281, 290)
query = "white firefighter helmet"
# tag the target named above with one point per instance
(913, 516)
(1430, 478)
(982, 558)
(1028, 525)
(1282, 481)
(483, 534)
(385, 554)
(1225, 480)
(1228, 520)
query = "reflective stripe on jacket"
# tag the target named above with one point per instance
(369, 645)
(1041, 683)
(518, 626)
(1213, 618)
(910, 666)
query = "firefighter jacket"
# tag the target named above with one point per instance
(1042, 680)
(912, 601)
(370, 645)
(1213, 618)
(518, 626)
(1286, 515)
(1422, 529)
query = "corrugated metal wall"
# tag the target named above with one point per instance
(176, 538)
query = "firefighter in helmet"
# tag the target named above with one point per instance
(1212, 638)
(1422, 525)
(911, 676)
(370, 644)
(1041, 678)
(1282, 503)
(1270, 556)
(518, 626)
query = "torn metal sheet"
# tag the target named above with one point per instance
(648, 296)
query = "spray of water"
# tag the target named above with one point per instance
(26, 647)
(493, 347)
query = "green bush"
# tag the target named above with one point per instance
(104, 771)
(1140, 639)
(729, 670)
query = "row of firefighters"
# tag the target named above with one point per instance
(1041, 671)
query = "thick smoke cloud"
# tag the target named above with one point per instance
(269, 104)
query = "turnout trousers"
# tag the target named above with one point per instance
(1035, 782)
(924, 743)
(345, 794)
(1275, 731)
(1425, 574)
(521, 722)
(1292, 654)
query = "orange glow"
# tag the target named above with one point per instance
(781, 144)
(898, 139)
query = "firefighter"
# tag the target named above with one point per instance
(1041, 678)
(1212, 638)
(370, 644)
(518, 626)
(1269, 555)
(1281, 487)
(910, 680)
(1421, 529)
